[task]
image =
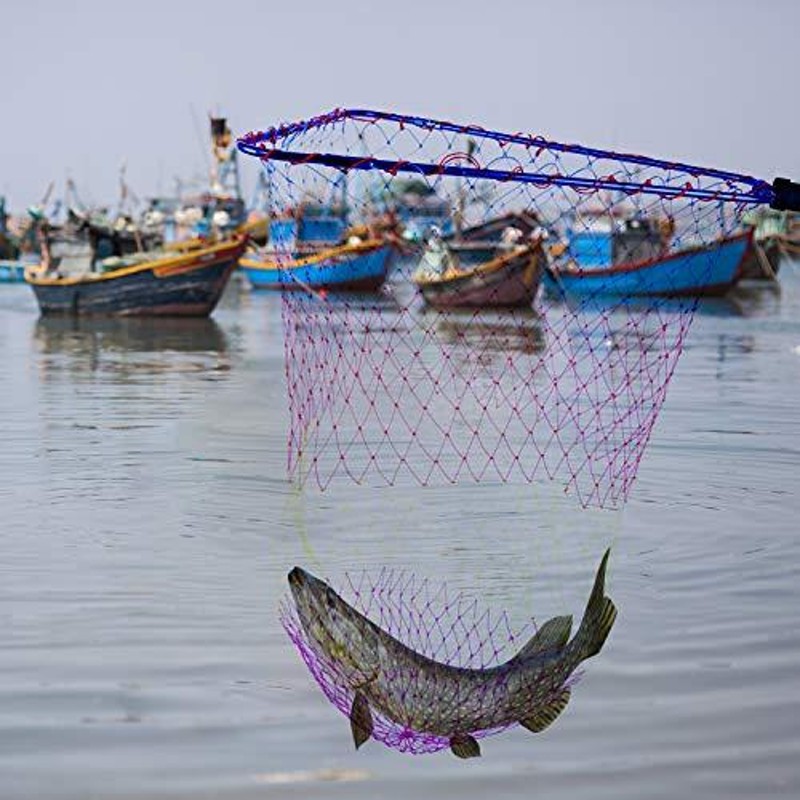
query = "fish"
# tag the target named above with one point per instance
(413, 690)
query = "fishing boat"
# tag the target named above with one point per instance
(771, 242)
(491, 230)
(357, 266)
(13, 270)
(508, 280)
(306, 230)
(696, 271)
(479, 243)
(763, 260)
(186, 280)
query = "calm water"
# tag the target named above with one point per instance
(148, 527)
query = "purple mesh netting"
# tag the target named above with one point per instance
(567, 386)
(450, 629)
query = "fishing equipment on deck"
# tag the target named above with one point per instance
(541, 355)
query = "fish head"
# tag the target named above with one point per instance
(343, 635)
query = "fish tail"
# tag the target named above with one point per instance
(598, 618)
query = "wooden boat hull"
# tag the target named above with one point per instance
(510, 281)
(361, 268)
(697, 272)
(763, 260)
(184, 284)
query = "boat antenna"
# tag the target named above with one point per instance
(198, 133)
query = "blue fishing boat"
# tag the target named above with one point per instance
(696, 271)
(306, 231)
(12, 271)
(360, 266)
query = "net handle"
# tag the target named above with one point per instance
(786, 195)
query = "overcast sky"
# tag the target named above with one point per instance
(89, 84)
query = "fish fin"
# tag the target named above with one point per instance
(599, 616)
(465, 746)
(548, 714)
(552, 636)
(360, 720)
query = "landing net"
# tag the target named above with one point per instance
(521, 304)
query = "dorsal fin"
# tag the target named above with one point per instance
(548, 713)
(552, 637)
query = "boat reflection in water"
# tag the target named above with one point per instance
(742, 301)
(489, 332)
(136, 334)
(131, 346)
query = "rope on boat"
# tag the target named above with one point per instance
(764, 261)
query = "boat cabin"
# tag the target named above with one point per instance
(308, 228)
(599, 240)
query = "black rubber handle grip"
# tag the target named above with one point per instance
(787, 195)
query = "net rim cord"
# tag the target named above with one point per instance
(347, 163)
(256, 140)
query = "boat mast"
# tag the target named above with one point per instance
(225, 165)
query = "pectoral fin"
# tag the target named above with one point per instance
(360, 720)
(547, 714)
(550, 638)
(465, 746)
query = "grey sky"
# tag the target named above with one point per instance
(90, 84)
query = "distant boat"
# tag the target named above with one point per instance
(13, 270)
(307, 229)
(763, 260)
(507, 280)
(185, 280)
(491, 230)
(697, 271)
(770, 243)
(361, 266)
(418, 208)
(479, 243)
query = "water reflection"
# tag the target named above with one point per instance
(743, 301)
(755, 300)
(493, 332)
(141, 334)
(442, 687)
(125, 346)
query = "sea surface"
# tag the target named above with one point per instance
(148, 526)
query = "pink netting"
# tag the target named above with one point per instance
(564, 382)
(382, 390)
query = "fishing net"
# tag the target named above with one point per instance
(447, 627)
(558, 369)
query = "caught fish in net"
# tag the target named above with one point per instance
(466, 304)
(421, 671)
